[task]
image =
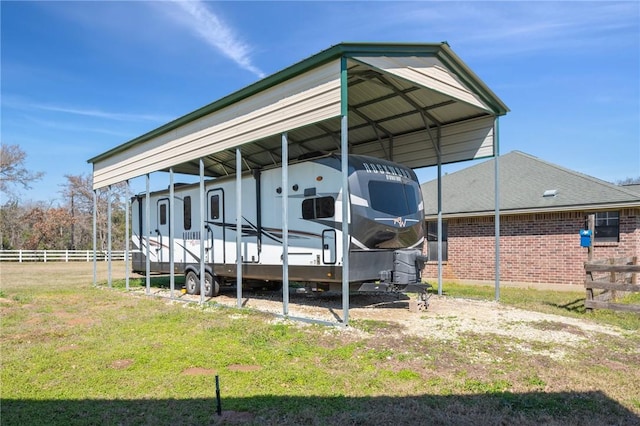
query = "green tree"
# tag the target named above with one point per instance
(12, 228)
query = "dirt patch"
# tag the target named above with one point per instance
(72, 319)
(79, 321)
(199, 371)
(243, 368)
(121, 364)
(33, 321)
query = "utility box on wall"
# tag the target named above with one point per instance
(585, 238)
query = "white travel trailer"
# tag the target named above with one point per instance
(386, 215)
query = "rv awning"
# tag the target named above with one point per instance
(405, 103)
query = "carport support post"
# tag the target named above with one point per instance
(109, 196)
(172, 275)
(285, 224)
(439, 224)
(95, 237)
(344, 151)
(127, 206)
(147, 233)
(203, 273)
(497, 207)
(239, 227)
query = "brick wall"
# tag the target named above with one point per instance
(534, 248)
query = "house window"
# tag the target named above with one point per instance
(607, 227)
(432, 241)
(187, 212)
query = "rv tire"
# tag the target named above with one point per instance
(192, 283)
(211, 286)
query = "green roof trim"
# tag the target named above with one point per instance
(441, 51)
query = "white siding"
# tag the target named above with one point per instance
(309, 98)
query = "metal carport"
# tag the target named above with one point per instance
(416, 104)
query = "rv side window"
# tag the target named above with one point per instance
(163, 214)
(187, 212)
(317, 208)
(308, 208)
(325, 207)
(215, 207)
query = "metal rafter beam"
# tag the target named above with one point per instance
(424, 114)
(376, 128)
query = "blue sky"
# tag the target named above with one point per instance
(79, 78)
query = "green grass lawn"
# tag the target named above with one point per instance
(76, 354)
(566, 303)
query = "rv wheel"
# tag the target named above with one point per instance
(192, 283)
(211, 285)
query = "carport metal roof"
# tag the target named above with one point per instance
(405, 102)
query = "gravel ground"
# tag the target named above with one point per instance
(445, 319)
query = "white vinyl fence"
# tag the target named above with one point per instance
(58, 255)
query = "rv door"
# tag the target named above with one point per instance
(329, 246)
(162, 231)
(215, 226)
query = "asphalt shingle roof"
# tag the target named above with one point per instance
(523, 181)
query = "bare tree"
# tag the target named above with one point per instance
(49, 229)
(629, 181)
(78, 196)
(12, 169)
(12, 172)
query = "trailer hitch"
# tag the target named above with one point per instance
(421, 303)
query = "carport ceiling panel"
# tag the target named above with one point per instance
(400, 115)
(398, 120)
(426, 72)
(456, 112)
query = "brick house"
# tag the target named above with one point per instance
(542, 209)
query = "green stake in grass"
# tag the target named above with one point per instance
(218, 402)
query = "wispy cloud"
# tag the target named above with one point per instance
(101, 114)
(75, 127)
(23, 104)
(216, 33)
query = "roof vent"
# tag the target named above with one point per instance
(550, 193)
